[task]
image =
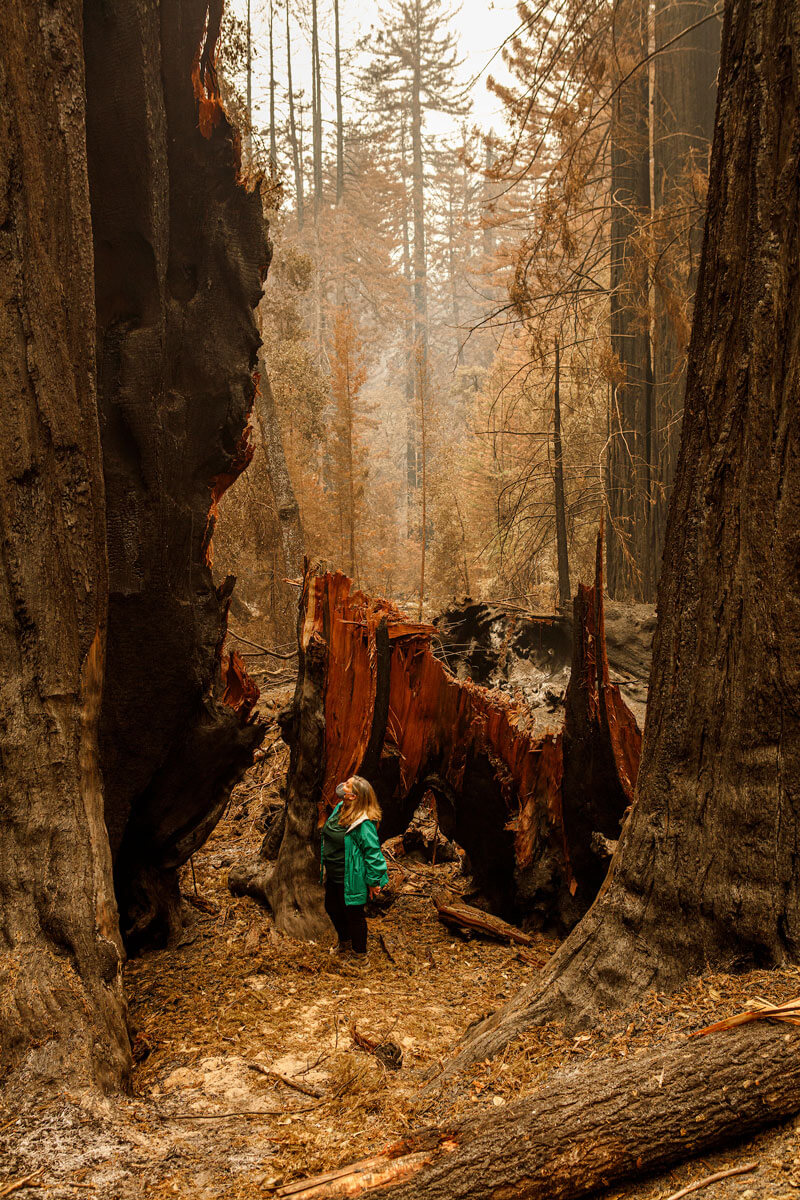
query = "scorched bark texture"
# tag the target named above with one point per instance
(180, 254)
(590, 1127)
(707, 868)
(61, 1003)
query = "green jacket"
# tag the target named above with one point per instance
(364, 864)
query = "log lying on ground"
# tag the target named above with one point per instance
(379, 703)
(453, 911)
(590, 1127)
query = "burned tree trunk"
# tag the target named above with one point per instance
(180, 253)
(372, 698)
(706, 870)
(590, 1127)
(286, 506)
(62, 1013)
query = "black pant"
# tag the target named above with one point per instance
(348, 919)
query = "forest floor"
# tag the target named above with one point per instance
(235, 1001)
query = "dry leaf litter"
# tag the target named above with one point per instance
(235, 1005)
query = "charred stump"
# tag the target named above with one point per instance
(180, 255)
(373, 699)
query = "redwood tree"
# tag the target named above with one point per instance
(707, 871)
(61, 1004)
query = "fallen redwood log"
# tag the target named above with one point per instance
(464, 916)
(590, 1127)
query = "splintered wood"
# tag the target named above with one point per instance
(523, 805)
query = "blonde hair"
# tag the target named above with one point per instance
(362, 803)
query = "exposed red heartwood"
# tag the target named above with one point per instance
(241, 693)
(525, 805)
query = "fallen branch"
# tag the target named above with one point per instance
(261, 649)
(638, 1115)
(387, 1052)
(760, 1010)
(306, 1088)
(210, 907)
(464, 915)
(701, 1183)
(26, 1181)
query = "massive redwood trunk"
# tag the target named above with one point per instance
(707, 869)
(61, 1003)
(180, 254)
(372, 698)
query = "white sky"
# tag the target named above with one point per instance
(481, 26)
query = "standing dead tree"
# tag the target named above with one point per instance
(372, 697)
(180, 255)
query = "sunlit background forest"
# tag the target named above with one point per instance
(485, 229)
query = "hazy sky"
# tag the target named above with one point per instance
(481, 28)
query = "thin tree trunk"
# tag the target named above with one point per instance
(705, 873)
(297, 158)
(316, 111)
(273, 140)
(412, 471)
(630, 559)
(339, 116)
(562, 551)
(62, 1012)
(685, 95)
(286, 506)
(249, 99)
(423, 455)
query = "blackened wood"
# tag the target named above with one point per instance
(180, 253)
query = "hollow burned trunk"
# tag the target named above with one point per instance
(180, 253)
(707, 871)
(373, 699)
(61, 1004)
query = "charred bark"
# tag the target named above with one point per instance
(62, 1012)
(706, 870)
(590, 1127)
(180, 254)
(290, 886)
(373, 698)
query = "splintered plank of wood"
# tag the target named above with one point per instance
(464, 916)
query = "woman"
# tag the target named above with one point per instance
(352, 862)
